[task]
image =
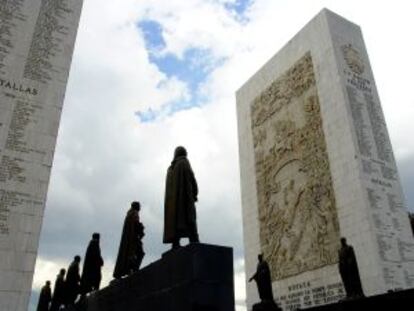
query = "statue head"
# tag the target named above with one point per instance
(179, 152)
(48, 283)
(343, 241)
(260, 257)
(62, 272)
(96, 236)
(77, 258)
(136, 205)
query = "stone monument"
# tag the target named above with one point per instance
(36, 45)
(316, 165)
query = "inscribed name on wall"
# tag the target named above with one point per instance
(299, 229)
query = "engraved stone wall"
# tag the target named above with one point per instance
(316, 100)
(383, 192)
(36, 45)
(299, 228)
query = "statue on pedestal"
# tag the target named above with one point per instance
(131, 251)
(180, 196)
(59, 298)
(92, 265)
(264, 286)
(72, 283)
(44, 298)
(348, 269)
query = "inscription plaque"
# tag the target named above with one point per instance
(385, 198)
(36, 46)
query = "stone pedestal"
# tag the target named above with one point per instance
(266, 306)
(193, 278)
(402, 300)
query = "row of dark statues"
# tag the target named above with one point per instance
(181, 193)
(69, 285)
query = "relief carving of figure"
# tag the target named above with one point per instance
(299, 227)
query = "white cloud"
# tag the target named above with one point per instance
(195, 23)
(240, 285)
(45, 270)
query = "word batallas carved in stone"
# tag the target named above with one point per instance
(18, 87)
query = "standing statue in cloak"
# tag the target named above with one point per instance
(348, 269)
(131, 251)
(45, 298)
(263, 281)
(92, 265)
(72, 284)
(180, 196)
(59, 298)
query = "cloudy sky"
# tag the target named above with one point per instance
(148, 75)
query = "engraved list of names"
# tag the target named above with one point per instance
(382, 186)
(36, 46)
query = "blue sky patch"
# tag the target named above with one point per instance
(169, 109)
(240, 6)
(192, 68)
(152, 31)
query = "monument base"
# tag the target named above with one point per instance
(266, 306)
(401, 300)
(196, 277)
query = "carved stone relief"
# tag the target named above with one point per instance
(299, 228)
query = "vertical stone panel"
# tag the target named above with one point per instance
(316, 163)
(36, 45)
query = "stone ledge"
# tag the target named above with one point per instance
(400, 300)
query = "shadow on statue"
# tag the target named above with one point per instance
(263, 281)
(181, 193)
(131, 252)
(92, 266)
(45, 297)
(348, 269)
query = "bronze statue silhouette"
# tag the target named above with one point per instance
(45, 298)
(263, 281)
(180, 196)
(92, 265)
(72, 283)
(131, 251)
(348, 269)
(58, 297)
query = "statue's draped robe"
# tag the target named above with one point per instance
(130, 253)
(72, 284)
(58, 294)
(180, 195)
(348, 269)
(92, 264)
(412, 223)
(264, 281)
(44, 299)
